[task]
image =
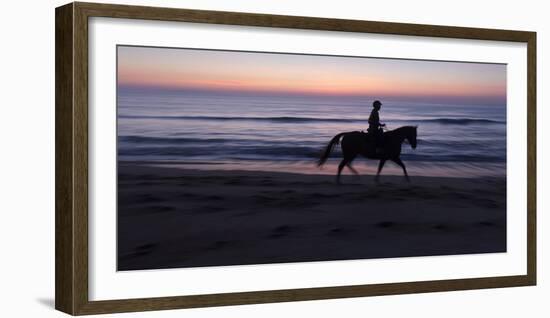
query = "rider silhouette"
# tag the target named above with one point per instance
(375, 127)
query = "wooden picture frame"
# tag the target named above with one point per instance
(71, 90)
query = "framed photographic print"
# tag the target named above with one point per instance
(211, 158)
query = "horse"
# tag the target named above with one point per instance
(356, 143)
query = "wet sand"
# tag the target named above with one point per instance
(172, 217)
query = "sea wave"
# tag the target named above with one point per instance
(290, 119)
(318, 140)
(462, 121)
(168, 140)
(221, 149)
(282, 119)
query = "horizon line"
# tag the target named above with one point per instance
(485, 99)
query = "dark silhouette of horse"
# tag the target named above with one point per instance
(357, 143)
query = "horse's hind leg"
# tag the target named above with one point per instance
(380, 166)
(400, 163)
(352, 168)
(346, 162)
(341, 166)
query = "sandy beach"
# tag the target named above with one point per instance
(172, 217)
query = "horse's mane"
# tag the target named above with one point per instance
(401, 129)
(405, 128)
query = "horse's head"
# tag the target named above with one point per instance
(411, 136)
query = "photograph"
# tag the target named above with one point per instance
(246, 158)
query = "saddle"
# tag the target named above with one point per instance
(375, 140)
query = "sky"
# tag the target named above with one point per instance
(272, 73)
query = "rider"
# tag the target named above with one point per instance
(375, 127)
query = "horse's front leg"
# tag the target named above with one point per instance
(380, 166)
(400, 163)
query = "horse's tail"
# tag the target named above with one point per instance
(334, 141)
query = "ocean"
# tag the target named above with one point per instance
(230, 131)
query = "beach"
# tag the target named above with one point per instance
(173, 217)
